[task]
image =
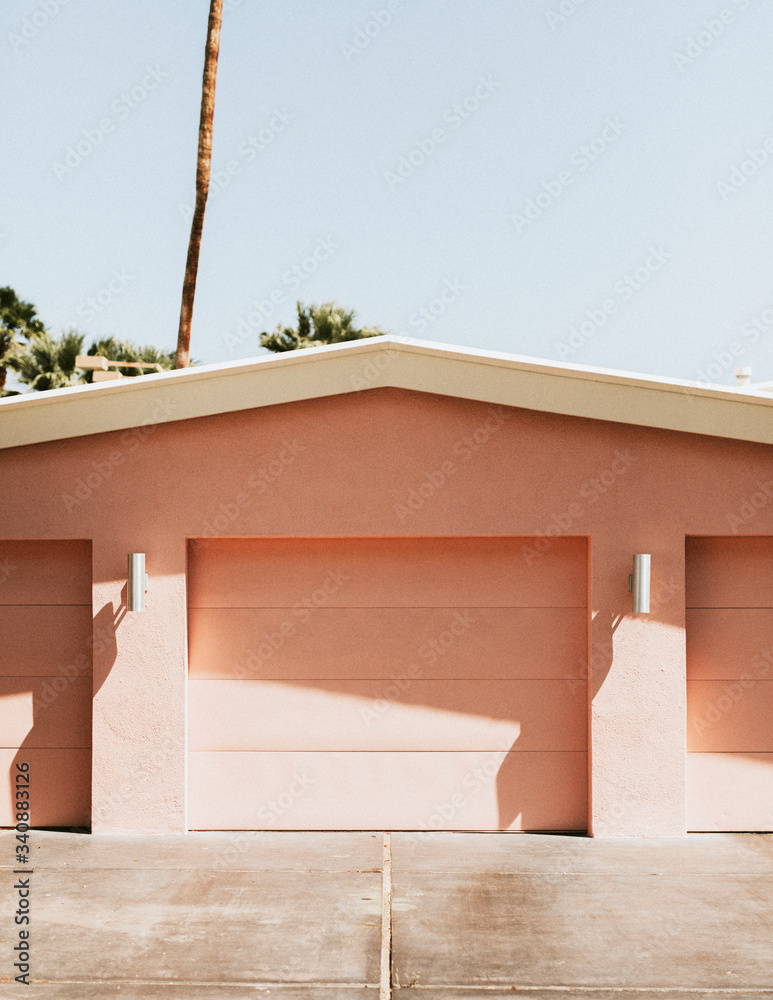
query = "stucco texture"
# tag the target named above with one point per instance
(389, 462)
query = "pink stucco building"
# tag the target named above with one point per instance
(388, 589)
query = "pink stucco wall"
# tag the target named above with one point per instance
(387, 462)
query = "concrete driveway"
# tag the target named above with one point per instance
(335, 916)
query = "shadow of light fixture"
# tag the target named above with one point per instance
(639, 584)
(138, 581)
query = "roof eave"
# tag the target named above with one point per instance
(423, 366)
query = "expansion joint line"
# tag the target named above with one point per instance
(385, 988)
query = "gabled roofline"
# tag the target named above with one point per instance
(744, 413)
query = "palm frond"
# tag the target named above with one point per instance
(318, 325)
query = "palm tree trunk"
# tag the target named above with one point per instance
(3, 374)
(202, 181)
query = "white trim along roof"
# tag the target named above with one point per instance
(744, 413)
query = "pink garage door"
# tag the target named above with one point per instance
(730, 683)
(387, 683)
(45, 678)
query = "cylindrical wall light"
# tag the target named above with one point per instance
(639, 584)
(137, 581)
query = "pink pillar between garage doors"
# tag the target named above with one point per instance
(637, 713)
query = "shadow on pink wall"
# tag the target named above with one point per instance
(57, 744)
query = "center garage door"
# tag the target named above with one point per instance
(387, 683)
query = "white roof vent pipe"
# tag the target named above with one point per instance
(743, 376)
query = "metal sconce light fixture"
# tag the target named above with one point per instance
(138, 581)
(639, 584)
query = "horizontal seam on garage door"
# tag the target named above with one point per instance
(378, 607)
(49, 604)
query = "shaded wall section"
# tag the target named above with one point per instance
(45, 678)
(730, 683)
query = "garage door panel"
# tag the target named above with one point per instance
(729, 683)
(400, 675)
(730, 572)
(35, 711)
(397, 791)
(384, 715)
(724, 644)
(729, 792)
(45, 572)
(439, 642)
(60, 786)
(387, 572)
(45, 676)
(41, 641)
(730, 716)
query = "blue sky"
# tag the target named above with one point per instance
(582, 181)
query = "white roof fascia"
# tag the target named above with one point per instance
(745, 413)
